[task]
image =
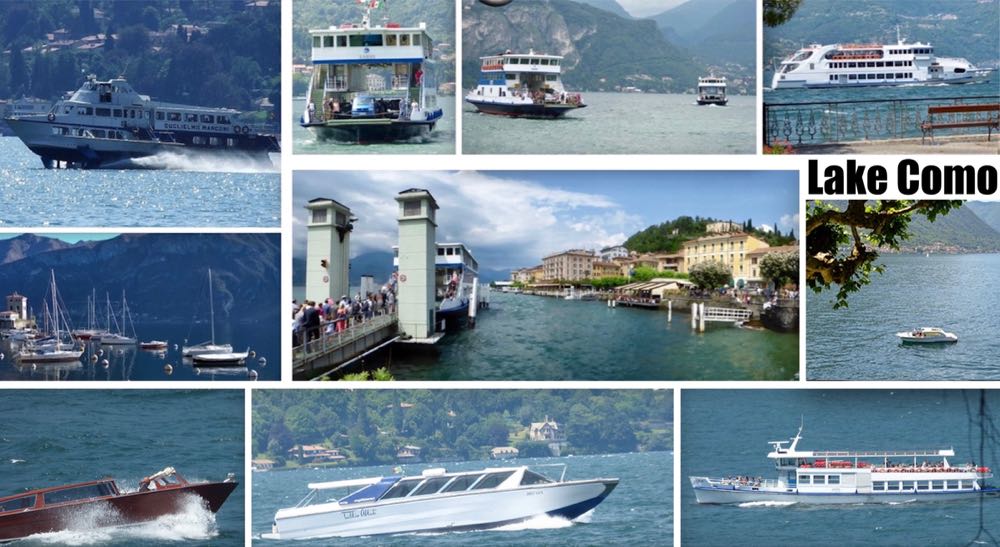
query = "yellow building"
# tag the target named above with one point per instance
(603, 268)
(731, 249)
(572, 265)
(758, 254)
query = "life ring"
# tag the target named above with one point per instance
(52, 117)
(246, 129)
(236, 129)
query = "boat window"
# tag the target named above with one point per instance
(530, 477)
(923, 485)
(401, 489)
(554, 62)
(341, 41)
(17, 503)
(404, 39)
(461, 483)
(103, 112)
(197, 140)
(213, 141)
(545, 62)
(327, 41)
(511, 76)
(191, 118)
(224, 120)
(416, 39)
(430, 486)
(937, 485)
(907, 485)
(78, 493)
(174, 116)
(959, 70)
(550, 77)
(317, 40)
(492, 480)
(805, 479)
(372, 40)
(99, 133)
(391, 39)
(159, 116)
(534, 61)
(355, 40)
(207, 118)
(440, 251)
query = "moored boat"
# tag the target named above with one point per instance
(209, 346)
(221, 359)
(108, 121)
(371, 83)
(524, 85)
(927, 335)
(55, 349)
(52, 509)
(437, 501)
(837, 477)
(455, 273)
(153, 345)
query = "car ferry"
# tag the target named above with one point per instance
(856, 65)
(712, 90)
(836, 477)
(108, 121)
(52, 509)
(371, 83)
(523, 85)
(437, 501)
(456, 274)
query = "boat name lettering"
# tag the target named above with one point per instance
(195, 127)
(535, 492)
(358, 513)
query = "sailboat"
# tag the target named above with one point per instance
(91, 331)
(58, 351)
(209, 347)
(120, 338)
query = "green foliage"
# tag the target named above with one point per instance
(379, 375)
(781, 268)
(842, 241)
(710, 274)
(604, 283)
(369, 426)
(661, 237)
(777, 12)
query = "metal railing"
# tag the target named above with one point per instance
(828, 122)
(336, 83)
(328, 341)
(727, 314)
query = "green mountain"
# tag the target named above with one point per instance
(602, 52)
(955, 28)
(609, 6)
(669, 236)
(988, 211)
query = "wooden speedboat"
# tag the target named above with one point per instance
(52, 509)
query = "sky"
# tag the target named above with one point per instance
(647, 8)
(511, 219)
(69, 237)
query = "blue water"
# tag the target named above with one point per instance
(948, 291)
(440, 141)
(620, 123)
(725, 432)
(186, 192)
(54, 437)
(525, 337)
(639, 511)
(126, 363)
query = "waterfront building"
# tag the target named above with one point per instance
(527, 275)
(15, 316)
(730, 249)
(547, 430)
(503, 452)
(601, 268)
(671, 262)
(722, 227)
(572, 265)
(755, 256)
(608, 254)
(315, 453)
(408, 454)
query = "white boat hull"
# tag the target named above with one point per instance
(745, 494)
(60, 356)
(448, 512)
(192, 351)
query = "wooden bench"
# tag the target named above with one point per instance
(951, 113)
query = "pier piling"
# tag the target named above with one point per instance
(701, 317)
(694, 315)
(474, 304)
(670, 310)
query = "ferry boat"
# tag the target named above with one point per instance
(836, 477)
(927, 335)
(371, 83)
(856, 65)
(25, 106)
(456, 273)
(523, 85)
(108, 121)
(50, 509)
(437, 501)
(712, 90)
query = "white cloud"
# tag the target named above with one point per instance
(507, 222)
(788, 222)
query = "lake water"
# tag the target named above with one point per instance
(953, 292)
(130, 363)
(620, 123)
(638, 512)
(201, 192)
(55, 437)
(440, 141)
(725, 433)
(539, 338)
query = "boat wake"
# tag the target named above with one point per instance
(541, 522)
(212, 163)
(767, 504)
(102, 524)
(904, 502)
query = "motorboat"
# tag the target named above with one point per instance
(927, 335)
(712, 90)
(371, 83)
(107, 121)
(838, 477)
(437, 501)
(51, 509)
(860, 65)
(456, 273)
(220, 359)
(153, 345)
(207, 347)
(525, 85)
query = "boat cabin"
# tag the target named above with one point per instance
(531, 72)
(87, 491)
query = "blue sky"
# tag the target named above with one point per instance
(68, 237)
(510, 219)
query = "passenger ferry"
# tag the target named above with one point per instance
(456, 273)
(107, 121)
(712, 90)
(25, 106)
(855, 65)
(834, 477)
(523, 85)
(371, 83)
(437, 501)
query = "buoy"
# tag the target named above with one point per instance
(168, 369)
(252, 375)
(100, 352)
(175, 346)
(34, 366)
(253, 354)
(1, 357)
(93, 358)
(105, 363)
(262, 362)
(121, 352)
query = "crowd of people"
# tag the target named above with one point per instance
(311, 319)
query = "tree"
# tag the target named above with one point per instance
(777, 12)
(842, 243)
(710, 274)
(133, 39)
(780, 268)
(19, 79)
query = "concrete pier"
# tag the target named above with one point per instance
(417, 253)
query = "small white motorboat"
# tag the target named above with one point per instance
(220, 359)
(927, 335)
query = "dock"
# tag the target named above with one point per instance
(334, 351)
